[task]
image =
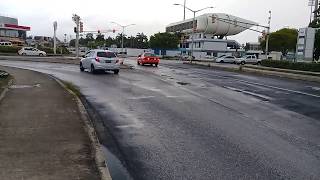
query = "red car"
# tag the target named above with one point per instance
(148, 58)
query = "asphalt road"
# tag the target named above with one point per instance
(185, 122)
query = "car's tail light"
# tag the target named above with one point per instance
(97, 59)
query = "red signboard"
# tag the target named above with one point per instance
(25, 28)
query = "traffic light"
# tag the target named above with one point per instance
(98, 31)
(81, 27)
(75, 29)
(113, 30)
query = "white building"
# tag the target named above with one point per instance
(305, 44)
(210, 35)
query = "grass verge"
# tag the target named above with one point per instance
(4, 81)
(72, 88)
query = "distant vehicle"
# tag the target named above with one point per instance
(226, 59)
(5, 44)
(187, 58)
(248, 59)
(100, 60)
(30, 51)
(148, 58)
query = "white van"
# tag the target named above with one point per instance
(5, 44)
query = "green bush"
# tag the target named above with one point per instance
(314, 67)
(9, 49)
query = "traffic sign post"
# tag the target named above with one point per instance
(55, 26)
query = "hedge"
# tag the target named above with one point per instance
(301, 66)
(9, 49)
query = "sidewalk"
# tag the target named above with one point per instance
(42, 135)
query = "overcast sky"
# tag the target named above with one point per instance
(151, 16)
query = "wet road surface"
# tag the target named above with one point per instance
(185, 122)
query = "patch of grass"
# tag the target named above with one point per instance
(72, 88)
(4, 81)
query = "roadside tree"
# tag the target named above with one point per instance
(283, 40)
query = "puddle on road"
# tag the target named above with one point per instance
(116, 169)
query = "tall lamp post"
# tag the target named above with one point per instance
(268, 35)
(193, 24)
(123, 27)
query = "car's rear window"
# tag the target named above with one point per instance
(106, 54)
(149, 55)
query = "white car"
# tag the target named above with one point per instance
(226, 59)
(100, 60)
(5, 44)
(30, 51)
(248, 59)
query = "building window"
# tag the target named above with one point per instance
(199, 45)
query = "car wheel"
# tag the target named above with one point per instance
(259, 63)
(24, 54)
(156, 65)
(116, 71)
(138, 63)
(81, 67)
(221, 61)
(40, 54)
(243, 63)
(92, 69)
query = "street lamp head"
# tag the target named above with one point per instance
(177, 4)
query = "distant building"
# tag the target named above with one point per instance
(12, 32)
(305, 44)
(210, 36)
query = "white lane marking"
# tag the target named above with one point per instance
(268, 86)
(250, 93)
(140, 97)
(282, 89)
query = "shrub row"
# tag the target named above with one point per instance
(301, 66)
(9, 49)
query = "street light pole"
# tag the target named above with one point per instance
(268, 35)
(184, 10)
(122, 39)
(123, 28)
(76, 19)
(193, 22)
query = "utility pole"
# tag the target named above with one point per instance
(193, 23)
(55, 26)
(268, 34)
(316, 7)
(123, 27)
(184, 10)
(76, 19)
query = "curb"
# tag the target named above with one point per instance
(96, 146)
(262, 72)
